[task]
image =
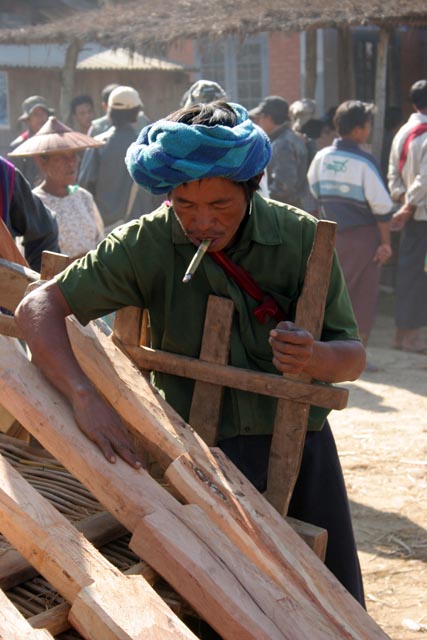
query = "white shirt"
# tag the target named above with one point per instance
(413, 180)
(80, 225)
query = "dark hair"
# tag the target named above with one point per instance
(313, 128)
(352, 114)
(211, 114)
(418, 94)
(105, 93)
(120, 117)
(78, 100)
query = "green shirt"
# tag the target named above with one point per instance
(142, 264)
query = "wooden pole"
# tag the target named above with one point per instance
(291, 418)
(67, 78)
(310, 63)
(380, 92)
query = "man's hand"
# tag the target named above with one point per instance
(292, 347)
(402, 217)
(101, 424)
(383, 253)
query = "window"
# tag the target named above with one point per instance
(240, 67)
(4, 101)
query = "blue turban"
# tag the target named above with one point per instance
(167, 154)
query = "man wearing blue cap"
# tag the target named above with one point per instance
(209, 159)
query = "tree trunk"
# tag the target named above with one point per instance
(67, 78)
(380, 92)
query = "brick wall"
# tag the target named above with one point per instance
(285, 76)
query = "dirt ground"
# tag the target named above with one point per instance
(382, 440)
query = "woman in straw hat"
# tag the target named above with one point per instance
(54, 148)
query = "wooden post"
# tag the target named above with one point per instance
(291, 418)
(310, 63)
(67, 78)
(205, 412)
(380, 92)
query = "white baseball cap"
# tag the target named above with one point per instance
(124, 98)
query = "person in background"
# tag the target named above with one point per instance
(54, 148)
(287, 169)
(407, 181)
(81, 113)
(393, 120)
(328, 133)
(212, 195)
(103, 171)
(101, 124)
(35, 113)
(202, 92)
(350, 191)
(300, 113)
(25, 215)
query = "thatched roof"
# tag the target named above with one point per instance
(144, 25)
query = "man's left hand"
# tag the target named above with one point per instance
(292, 347)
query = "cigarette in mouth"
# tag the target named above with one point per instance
(197, 258)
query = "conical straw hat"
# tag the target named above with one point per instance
(54, 137)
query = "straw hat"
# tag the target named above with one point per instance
(54, 137)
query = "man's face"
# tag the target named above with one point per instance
(361, 134)
(266, 122)
(211, 208)
(37, 118)
(83, 115)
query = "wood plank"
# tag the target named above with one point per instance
(290, 424)
(53, 263)
(105, 604)
(8, 326)
(315, 537)
(13, 625)
(8, 249)
(190, 566)
(205, 412)
(268, 384)
(55, 619)
(99, 529)
(14, 280)
(136, 609)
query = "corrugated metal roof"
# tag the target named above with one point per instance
(52, 56)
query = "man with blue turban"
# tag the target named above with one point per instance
(208, 160)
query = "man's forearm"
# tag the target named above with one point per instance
(337, 361)
(41, 318)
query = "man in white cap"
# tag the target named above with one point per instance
(103, 171)
(35, 112)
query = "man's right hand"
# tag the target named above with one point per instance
(41, 317)
(103, 426)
